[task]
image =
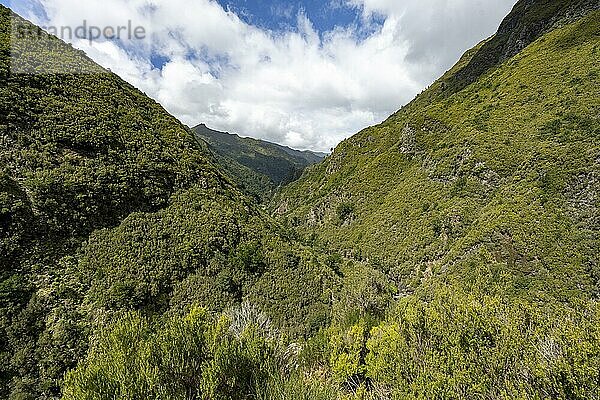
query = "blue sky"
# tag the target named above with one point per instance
(306, 74)
(269, 14)
(22, 7)
(281, 15)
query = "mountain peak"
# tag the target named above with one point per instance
(528, 21)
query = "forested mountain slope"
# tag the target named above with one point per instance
(492, 185)
(108, 203)
(258, 167)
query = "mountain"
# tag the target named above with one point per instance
(490, 177)
(450, 252)
(108, 204)
(258, 167)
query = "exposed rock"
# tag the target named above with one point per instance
(528, 21)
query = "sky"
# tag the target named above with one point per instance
(306, 74)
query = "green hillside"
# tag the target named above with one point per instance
(494, 184)
(107, 204)
(258, 167)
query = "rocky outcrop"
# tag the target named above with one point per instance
(529, 20)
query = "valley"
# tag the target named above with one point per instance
(450, 252)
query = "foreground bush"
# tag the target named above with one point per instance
(195, 356)
(450, 346)
(465, 346)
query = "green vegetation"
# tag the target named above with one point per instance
(448, 253)
(181, 357)
(258, 167)
(454, 345)
(528, 21)
(495, 184)
(110, 204)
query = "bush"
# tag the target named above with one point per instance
(191, 357)
(471, 345)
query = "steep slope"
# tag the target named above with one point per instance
(258, 167)
(108, 203)
(493, 183)
(527, 22)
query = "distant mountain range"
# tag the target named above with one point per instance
(257, 166)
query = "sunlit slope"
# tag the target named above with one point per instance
(495, 183)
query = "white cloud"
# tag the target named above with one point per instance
(439, 31)
(301, 88)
